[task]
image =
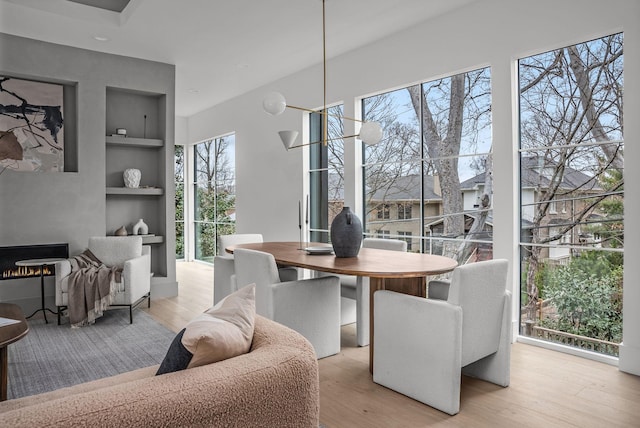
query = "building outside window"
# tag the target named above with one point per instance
(214, 194)
(571, 169)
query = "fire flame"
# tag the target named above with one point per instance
(25, 271)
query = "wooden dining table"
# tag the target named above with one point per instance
(13, 327)
(387, 270)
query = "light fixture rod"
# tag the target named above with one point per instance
(275, 103)
(325, 112)
(324, 141)
(325, 124)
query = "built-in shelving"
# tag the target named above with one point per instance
(144, 116)
(140, 191)
(134, 142)
(150, 239)
(155, 239)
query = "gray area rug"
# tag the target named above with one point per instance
(54, 356)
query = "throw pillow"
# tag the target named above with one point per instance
(224, 331)
(177, 357)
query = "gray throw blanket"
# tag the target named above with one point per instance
(92, 286)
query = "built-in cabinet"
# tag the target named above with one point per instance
(142, 115)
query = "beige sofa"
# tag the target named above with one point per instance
(274, 385)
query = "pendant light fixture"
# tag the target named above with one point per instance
(275, 104)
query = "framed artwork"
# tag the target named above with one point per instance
(31, 125)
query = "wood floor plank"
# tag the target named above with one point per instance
(547, 388)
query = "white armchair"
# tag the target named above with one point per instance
(309, 306)
(422, 346)
(126, 252)
(357, 288)
(223, 267)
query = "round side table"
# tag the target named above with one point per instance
(41, 263)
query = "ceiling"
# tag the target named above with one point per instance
(221, 48)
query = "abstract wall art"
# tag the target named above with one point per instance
(31, 125)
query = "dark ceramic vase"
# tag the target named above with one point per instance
(346, 234)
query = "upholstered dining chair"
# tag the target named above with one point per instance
(309, 306)
(357, 289)
(223, 266)
(422, 346)
(126, 252)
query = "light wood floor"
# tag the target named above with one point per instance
(548, 388)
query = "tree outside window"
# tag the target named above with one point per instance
(214, 194)
(434, 157)
(179, 183)
(572, 192)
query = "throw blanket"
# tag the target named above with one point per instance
(92, 286)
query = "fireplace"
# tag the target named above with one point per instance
(10, 255)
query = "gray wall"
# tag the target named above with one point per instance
(39, 208)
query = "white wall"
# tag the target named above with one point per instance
(487, 33)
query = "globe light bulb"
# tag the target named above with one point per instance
(274, 103)
(370, 133)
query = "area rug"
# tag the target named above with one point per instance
(54, 356)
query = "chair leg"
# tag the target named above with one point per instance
(130, 314)
(59, 310)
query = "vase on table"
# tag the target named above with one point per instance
(140, 228)
(346, 234)
(131, 178)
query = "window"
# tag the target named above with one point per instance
(178, 174)
(383, 212)
(404, 211)
(214, 190)
(406, 236)
(430, 165)
(383, 234)
(326, 173)
(571, 165)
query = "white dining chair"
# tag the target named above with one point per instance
(309, 306)
(223, 266)
(423, 346)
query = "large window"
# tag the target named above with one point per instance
(326, 172)
(429, 180)
(178, 174)
(571, 168)
(214, 194)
